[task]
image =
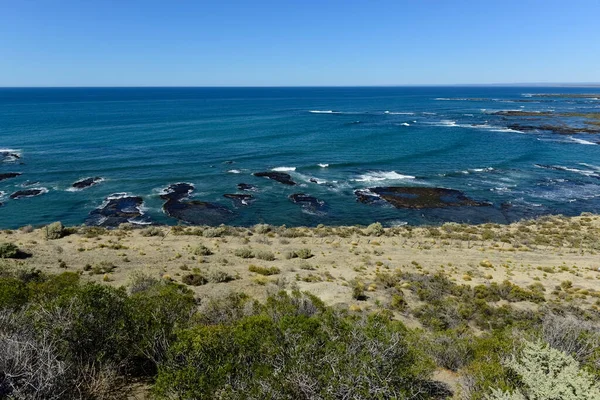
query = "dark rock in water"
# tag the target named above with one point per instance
(246, 186)
(419, 197)
(85, 183)
(517, 113)
(313, 180)
(177, 191)
(118, 209)
(198, 212)
(365, 196)
(193, 212)
(239, 199)
(558, 129)
(27, 193)
(309, 203)
(280, 177)
(9, 175)
(7, 156)
(229, 162)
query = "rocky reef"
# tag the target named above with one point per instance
(417, 197)
(309, 203)
(246, 186)
(118, 209)
(87, 182)
(9, 156)
(558, 128)
(280, 177)
(239, 199)
(27, 193)
(9, 175)
(192, 211)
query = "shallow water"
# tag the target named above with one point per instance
(141, 140)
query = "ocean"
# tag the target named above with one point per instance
(493, 144)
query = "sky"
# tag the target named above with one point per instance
(297, 42)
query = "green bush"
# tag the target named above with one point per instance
(152, 231)
(264, 354)
(202, 250)
(265, 255)
(55, 230)
(8, 250)
(375, 229)
(194, 280)
(303, 253)
(264, 270)
(244, 253)
(13, 293)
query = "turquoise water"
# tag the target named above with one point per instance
(140, 140)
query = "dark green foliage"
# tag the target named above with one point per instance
(275, 352)
(194, 279)
(13, 293)
(264, 270)
(8, 250)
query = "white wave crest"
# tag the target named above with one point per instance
(284, 169)
(405, 124)
(581, 141)
(382, 176)
(324, 112)
(398, 113)
(234, 171)
(323, 165)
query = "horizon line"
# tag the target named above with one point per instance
(515, 84)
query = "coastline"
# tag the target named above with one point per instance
(544, 251)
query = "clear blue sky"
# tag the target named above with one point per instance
(297, 42)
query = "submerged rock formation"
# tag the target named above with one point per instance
(87, 182)
(309, 203)
(28, 193)
(193, 211)
(246, 186)
(9, 175)
(239, 199)
(118, 209)
(417, 197)
(280, 177)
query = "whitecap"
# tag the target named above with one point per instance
(284, 169)
(234, 171)
(324, 112)
(398, 113)
(581, 141)
(382, 176)
(323, 165)
(405, 124)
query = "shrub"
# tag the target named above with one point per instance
(213, 232)
(152, 231)
(265, 255)
(547, 373)
(244, 253)
(8, 250)
(375, 229)
(194, 280)
(264, 270)
(358, 290)
(261, 229)
(284, 353)
(202, 250)
(304, 253)
(220, 276)
(55, 230)
(103, 267)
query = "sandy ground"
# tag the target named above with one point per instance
(336, 261)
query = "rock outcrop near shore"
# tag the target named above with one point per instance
(9, 175)
(117, 210)
(87, 182)
(193, 211)
(417, 197)
(280, 177)
(27, 193)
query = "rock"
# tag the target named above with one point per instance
(193, 212)
(419, 197)
(280, 177)
(118, 209)
(558, 129)
(365, 196)
(9, 156)
(177, 191)
(246, 186)
(309, 203)
(9, 175)
(87, 182)
(239, 199)
(28, 193)
(518, 113)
